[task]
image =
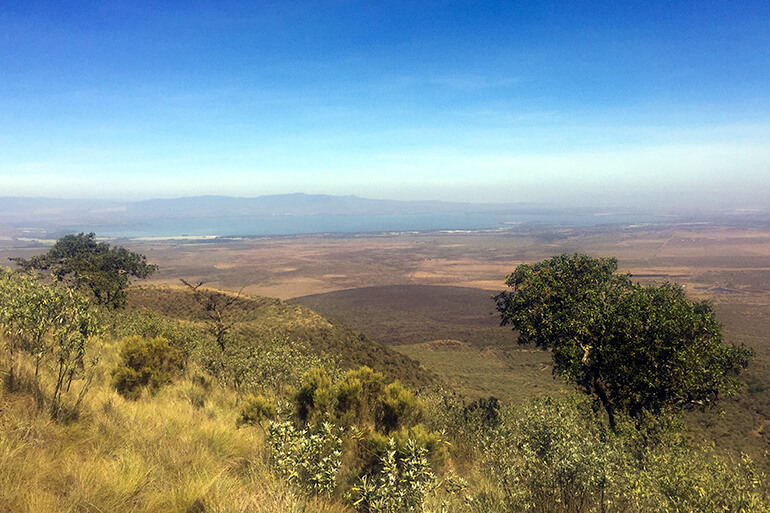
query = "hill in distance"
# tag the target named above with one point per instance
(36, 210)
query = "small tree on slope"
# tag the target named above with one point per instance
(636, 349)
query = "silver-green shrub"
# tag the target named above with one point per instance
(402, 484)
(309, 458)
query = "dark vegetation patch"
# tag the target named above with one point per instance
(412, 314)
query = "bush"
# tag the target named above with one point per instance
(148, 324)
(146, 363)
(48, 324)
(431, 443)
(359, 398)
(555, 455)
(692, 479)
(403, 483)
(383, 446)
(315, 397)
(483, 411)
(255, 364)
(257, 408)
(399, 409)
(372, 408)
(366, 400)
(307, 457)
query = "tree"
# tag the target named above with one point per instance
(77, 326)
(636, 349)
(29, 313)
(50, 324)
(217, 309)
(83, 263)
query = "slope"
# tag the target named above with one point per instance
(253, 316)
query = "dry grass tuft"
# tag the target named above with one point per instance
(162, 453)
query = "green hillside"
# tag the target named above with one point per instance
(253, 317)
(454, 332)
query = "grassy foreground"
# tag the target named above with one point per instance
(167, 452)
(270, 423)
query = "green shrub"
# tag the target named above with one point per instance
(483, 411)
(52, 325)
(697, 479)
(315, 397)
(557, 456)
(400, 408)
(365, 400)
(359, 395)
(252, 364)
(148, 324)
(146, 363)
(432, 443)
(257, 408)
(379, 420)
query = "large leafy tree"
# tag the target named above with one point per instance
(635, 348)
(84, 263)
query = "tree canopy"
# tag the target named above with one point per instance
(83, 263)
(634, 348)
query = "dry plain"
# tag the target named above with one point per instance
(724, 264)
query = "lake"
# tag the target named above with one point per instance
(244, 226)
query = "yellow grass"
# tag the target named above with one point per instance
(159, 453)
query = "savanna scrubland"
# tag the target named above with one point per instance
(398, 391)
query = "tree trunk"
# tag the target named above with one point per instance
(602, 395)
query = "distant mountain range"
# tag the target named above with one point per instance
(55, 214)
(287, 214)
(26, 210)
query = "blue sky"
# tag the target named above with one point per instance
(573, 102)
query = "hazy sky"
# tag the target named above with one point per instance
(479, 101)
